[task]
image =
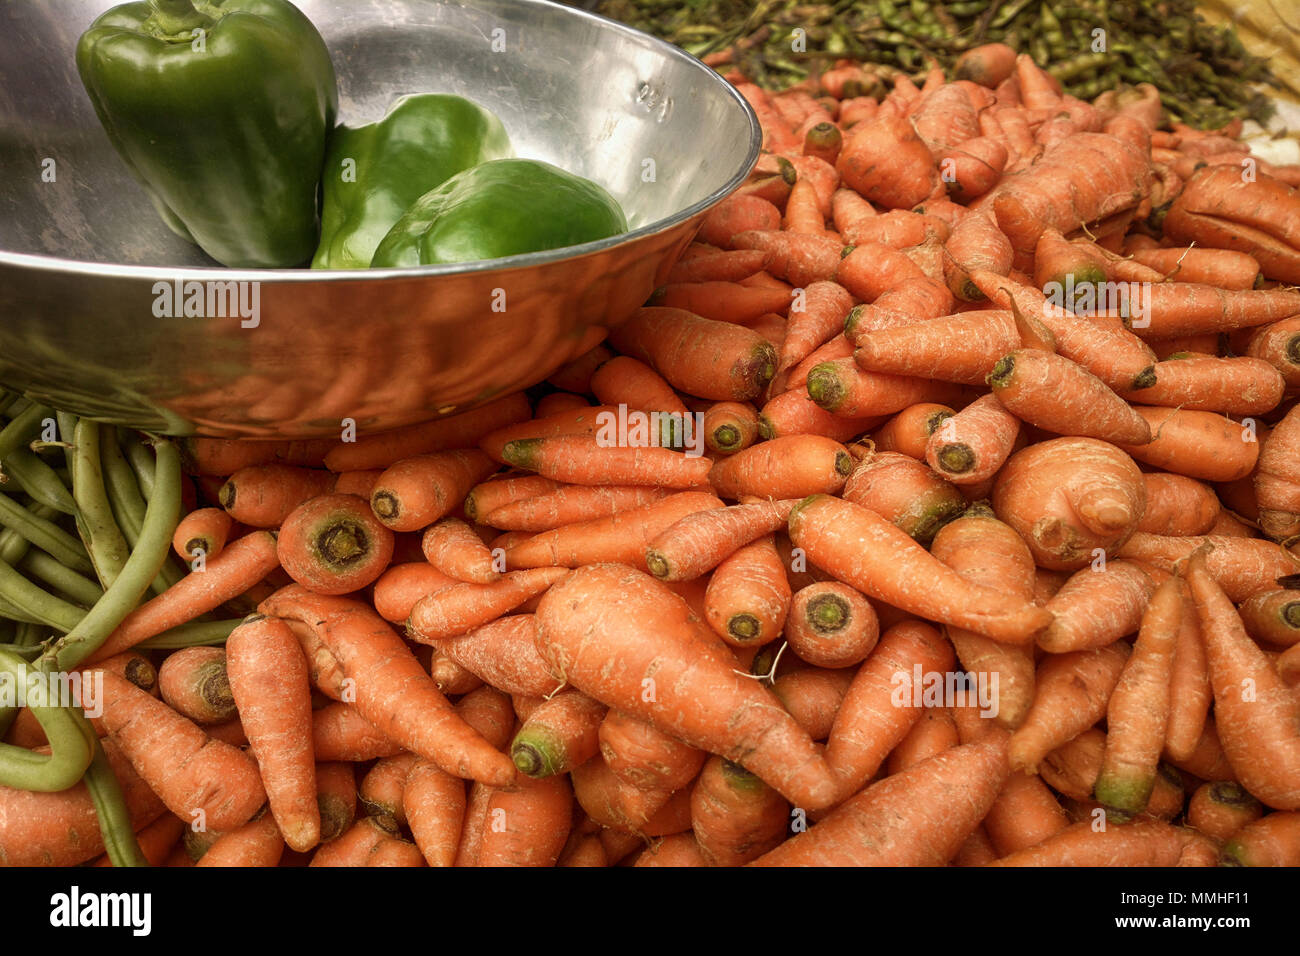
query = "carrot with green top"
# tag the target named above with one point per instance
(1138, 712)
(919, 817)
(368, 651)
(730, 427)
(194, 682)
(787, 467)
(610, 657)
(905, 491)
(599, 460)
(831, 625)
(699, 356)
(1271, 841)
(795, 413)
(1256, 714)
(571, 421)
(735, 817)
(559, 735)
(969, 447)
(461, 607)
(1053, 393)
(241, 564)
(415, 492)
(1234, 386)
(872, 555)
(699, 542)
(748, 596)
(1073, 691)
(846, 389)
(333, 544)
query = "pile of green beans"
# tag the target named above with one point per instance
(86, 523)
(1204, 74)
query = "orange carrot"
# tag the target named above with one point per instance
(735, 214)
(960, 348)
(1221, 808)
(678, 849)
(499, 492)
(340, 733)
(887, 163)
(572, 421)
(622, 537)
(1098, 605)
(528, 825)
(735, 817)
(724, 266)
(1218, 267)
(1234, 386)
(241, 564)
(1257, 716)
(569, 504)
(715, 360)
(906, 492)
(800, 259)
(730, 427)
(627, 381)
(802, 215)
(869, 270)
(882, 703)
(1177, 505)
(1069, 497)
(559, 735)
(1025, 814)
(398, 588)
(1241, 566)
(415, 492)
(813, 696)
(269, 681)
(1279, 344)
(699, 542)
(196, 777)
(434, 805)
(461, 607)
(206, 530)
(919, 817)
(933, 733)
(720, 302)
(909, 431)
(1271, 841)
(1138, 712)
(1073, 690)
(453, 548)
(748, 595)
(815, 317)
(257, 843)
(1273, 617)
(973, 168)
(503, 654)
(869, 553)
(654, 637)
(156, 840)
(794, 413)
(1056, 394)
(786, 467)
(370, 842)
(976, 244)
(831, 625)
(844, 388)
(261, 496)
(599, 460)
(988, 64)
(333, 544)
(194, 683)
(969, 447)
(1142, 843)
(374, 657)
(1277, 480)
(643, 756)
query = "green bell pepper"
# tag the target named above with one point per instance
(374, 173)
(500, 208)
(221, 109)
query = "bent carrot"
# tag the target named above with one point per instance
(504, 655)
(434, 804)
(453, 548)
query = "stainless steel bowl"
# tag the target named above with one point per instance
(86, 264)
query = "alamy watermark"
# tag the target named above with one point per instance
(55, 689)
(922, 688)
(213, 299)
(637, 429)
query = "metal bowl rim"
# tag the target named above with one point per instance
(29, 260)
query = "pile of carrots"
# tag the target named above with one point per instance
(497, 639)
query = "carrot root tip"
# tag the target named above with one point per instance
(956, 459)
(343, 544)
(1000, 377)
(385, 504)
(658, 565)
(744, 627)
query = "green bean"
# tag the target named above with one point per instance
(27, 641)
(77, 587)
(194, 634)
(36, 604)
(69, 734)
(142, 566)
(29, 635)
(104, 540)
(110, 809)
(24, 426)
(39, 480)
(129, 507)
(45, 534)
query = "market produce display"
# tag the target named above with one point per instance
(939, 509)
